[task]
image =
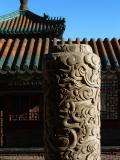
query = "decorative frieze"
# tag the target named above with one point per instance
(72, 104)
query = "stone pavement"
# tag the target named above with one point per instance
(113, 156)
(21, 157)
(110, 157)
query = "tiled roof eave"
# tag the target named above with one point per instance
(26, 22)
(43, 34)
(25, 55)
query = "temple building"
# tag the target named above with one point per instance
(24, 40)
(22, 45)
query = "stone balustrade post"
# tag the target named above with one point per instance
(72, 104)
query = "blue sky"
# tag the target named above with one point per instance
(84, 18)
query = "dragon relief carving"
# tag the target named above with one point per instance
(73, 106)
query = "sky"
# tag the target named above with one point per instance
(84, 18)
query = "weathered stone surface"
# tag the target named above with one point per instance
(72, 104)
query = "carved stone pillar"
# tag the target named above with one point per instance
(72, 104)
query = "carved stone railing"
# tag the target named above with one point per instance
(72, 104)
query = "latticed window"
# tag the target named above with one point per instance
(30, 115)
(23, 120)
(25, 108)
(109, 99)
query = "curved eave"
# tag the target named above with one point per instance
(26, 55)
(26, 22)
(43, 34)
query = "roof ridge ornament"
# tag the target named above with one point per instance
(23, 4)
